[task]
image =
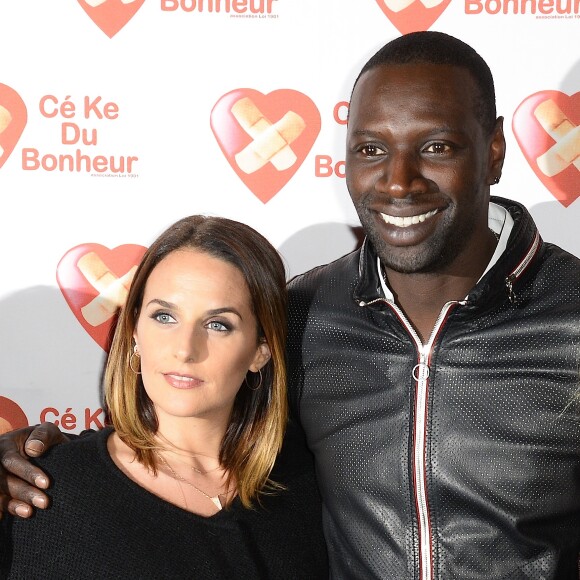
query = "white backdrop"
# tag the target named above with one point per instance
(117, 118)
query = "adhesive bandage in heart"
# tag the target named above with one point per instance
(399, 5)
(566, 150)
(95, 3)
(5, 120)
(112, 290)
(271, 141)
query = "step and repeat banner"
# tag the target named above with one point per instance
(118, 117)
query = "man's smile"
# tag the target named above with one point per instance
(405, 222)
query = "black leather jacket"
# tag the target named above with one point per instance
(457, 459)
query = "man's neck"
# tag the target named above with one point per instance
(422, 296)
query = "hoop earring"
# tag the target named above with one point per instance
(259, 384)
(134, 353)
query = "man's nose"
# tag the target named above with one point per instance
(401, 176)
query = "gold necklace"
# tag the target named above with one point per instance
(196, 469)
(192, 467)
(215, 499)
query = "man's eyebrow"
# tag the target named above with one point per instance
(363, 132)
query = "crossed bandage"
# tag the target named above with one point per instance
(271, 141)
(566, 150)
(94, 3)
(398, 5)
(112, 290)
(5, 120)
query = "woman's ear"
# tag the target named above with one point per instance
(263, 355)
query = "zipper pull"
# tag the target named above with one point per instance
(509, 282)
(421, 371)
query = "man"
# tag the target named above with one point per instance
(435, 369)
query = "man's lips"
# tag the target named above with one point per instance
(182, 381)
(405, 222)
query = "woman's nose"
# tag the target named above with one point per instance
(189, 345)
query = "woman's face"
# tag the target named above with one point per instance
(197, 337)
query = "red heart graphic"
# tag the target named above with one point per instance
(110, 15)
(413, 15)
(547, 129)
(94, 281)
(13, 116)
(265, 138)
(11, 416)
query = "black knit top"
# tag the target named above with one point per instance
(103, 525)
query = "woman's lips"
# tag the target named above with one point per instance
(182, 381)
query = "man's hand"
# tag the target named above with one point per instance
(19, 479)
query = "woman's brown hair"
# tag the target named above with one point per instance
(254, 435)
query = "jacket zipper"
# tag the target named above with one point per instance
(420, 375)
(519, 269)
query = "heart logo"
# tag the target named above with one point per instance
(13, 117)
(547, 129)
(265, 138)
(110, 15)
(412, 15)
(94, 281)
(11, 416)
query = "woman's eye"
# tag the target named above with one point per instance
(219, 326)
(164, 318)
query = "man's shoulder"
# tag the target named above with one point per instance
(563, 262)
(556, 252)
(342, 268)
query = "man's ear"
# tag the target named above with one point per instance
(496, 153)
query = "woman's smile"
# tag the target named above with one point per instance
(180, 381)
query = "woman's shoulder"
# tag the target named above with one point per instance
(81, 451)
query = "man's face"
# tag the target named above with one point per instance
(419, 165)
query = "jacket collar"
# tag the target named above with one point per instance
(523, 246)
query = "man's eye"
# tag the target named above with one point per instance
(438, 148)
(371, 150)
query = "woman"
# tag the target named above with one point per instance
(187, 481)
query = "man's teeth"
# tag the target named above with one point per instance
(405, 222)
